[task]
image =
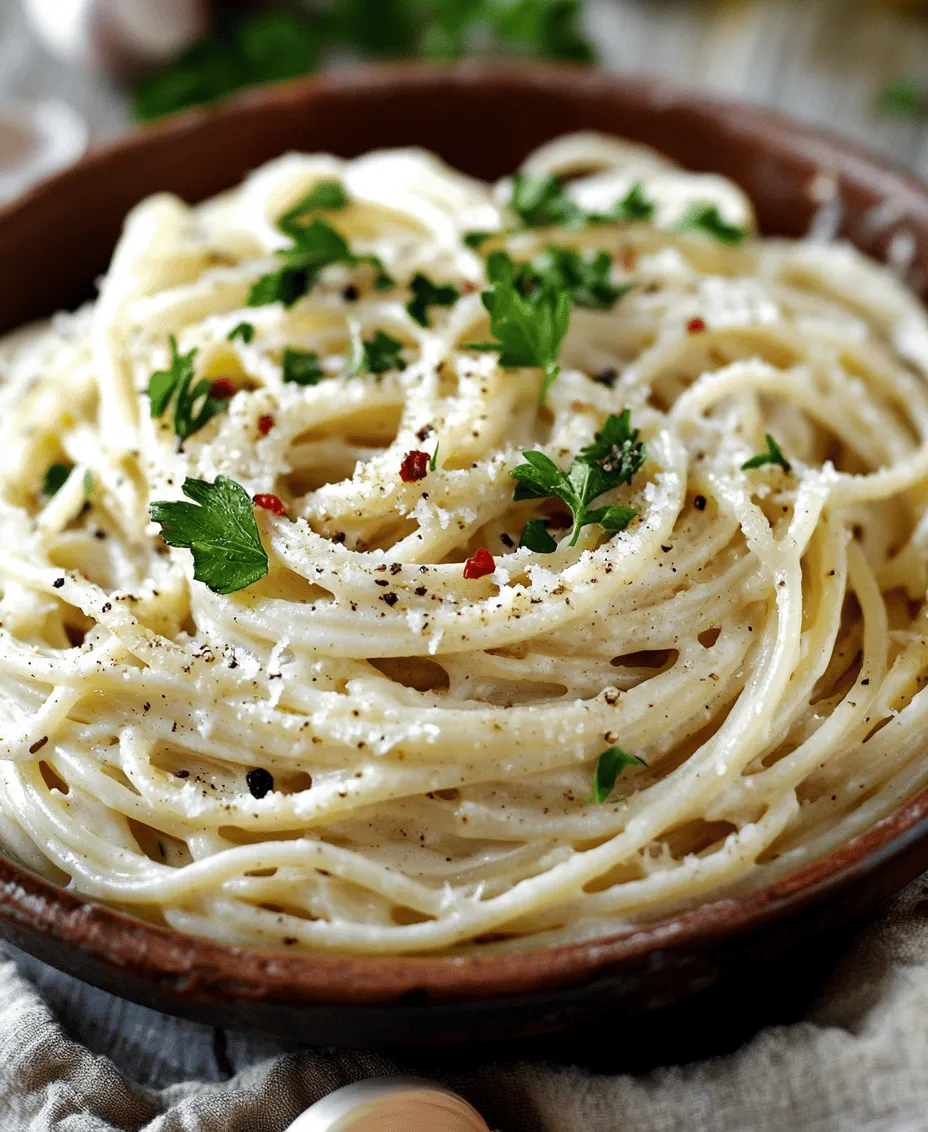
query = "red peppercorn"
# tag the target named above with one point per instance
(415, 466)
(271, 503)
(222, 389)
(480, 565)
(266, 423)
(695, 326)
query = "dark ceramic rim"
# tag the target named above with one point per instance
(195, 966)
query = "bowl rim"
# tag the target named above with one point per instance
(201, 966)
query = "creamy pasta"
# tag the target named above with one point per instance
(409, 733)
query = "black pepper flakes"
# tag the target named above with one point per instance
(391, 599)
(700, 503)
(58, 583)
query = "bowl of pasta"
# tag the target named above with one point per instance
(463, 551)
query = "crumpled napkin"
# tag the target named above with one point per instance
(858, 1062)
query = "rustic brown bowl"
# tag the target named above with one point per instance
(483, 118)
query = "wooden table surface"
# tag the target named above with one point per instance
(819, 60)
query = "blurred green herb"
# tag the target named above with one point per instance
(261, 49)
(541, 201)
(301, 367)
(376, 354)
(243, 330)
(706, 220)
(286, 44)
(587, 279)
(427, 294)
(904, 97)
(55, 478)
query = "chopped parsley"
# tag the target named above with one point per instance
(609, 766)
(193, 404)
(773, 455)
(219, 527)
(542, 201)
(326, 196)
(434, 460)
(301, 367)
(706, 220)
(587, 279)
(244, 330)
(611, 460)
(427, 294)
(55, 478)
(529, 328)
(633, 206)
(376, 354)
(535, 537)
(315, 246)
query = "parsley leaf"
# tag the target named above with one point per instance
(219, 527)
(542, 201)
(706, 220)
(244, 330)
(535, 536)
(55, 478)
(427, 294)
(587, 279)
(609, 766)
(301, 367)
(377, 354)
(193, 405)
(617, 448)
(773, 455)
(612, 459)
(529, 328)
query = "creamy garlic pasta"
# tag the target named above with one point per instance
(300, 650)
